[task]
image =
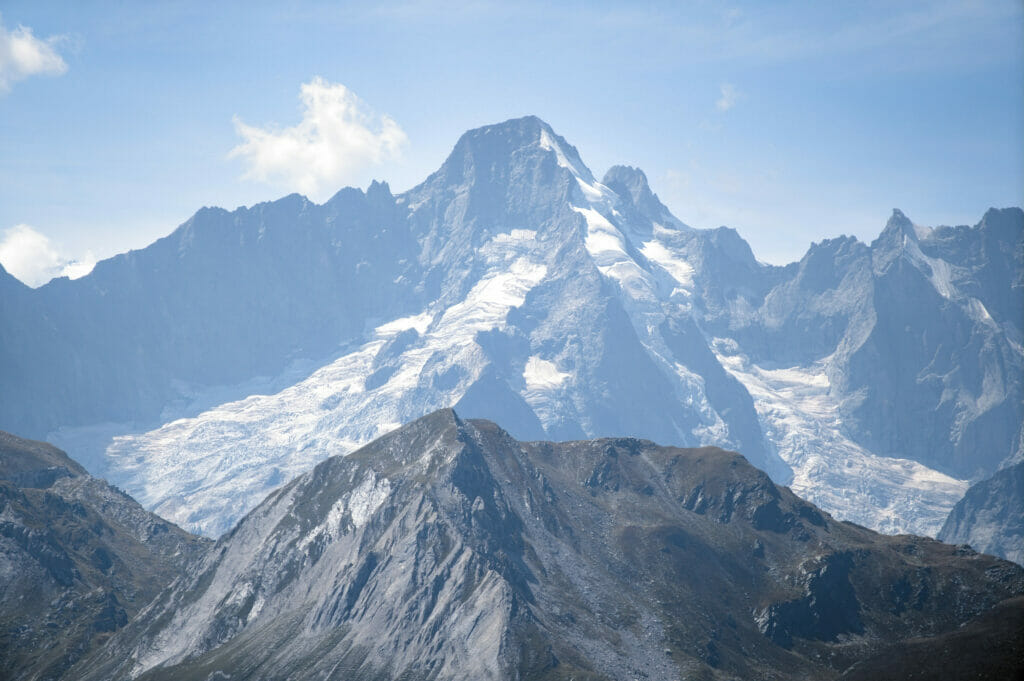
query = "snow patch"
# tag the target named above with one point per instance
(603, 240)
(548, 144)
(420, 322)
(607, 246)
(679, 269)
(517, 237)
(541, 374)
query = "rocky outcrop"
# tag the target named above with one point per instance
(990, 517)
(78, 559)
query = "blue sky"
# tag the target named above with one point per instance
(790, 122)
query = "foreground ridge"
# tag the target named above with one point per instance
(78, 559)
(447, 549)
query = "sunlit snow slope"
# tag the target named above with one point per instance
(522, 289)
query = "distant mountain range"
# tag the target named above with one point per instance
(449, 550)
(225, 359)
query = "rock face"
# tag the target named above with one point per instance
(990, 517)
(78, 559)
(918, 334)
(512, 284)
(449, 550)
(225, 298)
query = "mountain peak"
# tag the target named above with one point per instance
(898, 220)
(489, 557)
(512, 134)
(422, 434)
(528, 128)
(501, 142)
(899, 230)
(631, 184)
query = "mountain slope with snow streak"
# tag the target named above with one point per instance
(514, 285)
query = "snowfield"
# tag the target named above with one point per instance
(509, 324)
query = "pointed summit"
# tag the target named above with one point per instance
(497, 178)
(899, 231)
(513, 143)
(516, 134)
(899, 221)
(631, 185)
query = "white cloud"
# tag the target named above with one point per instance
(31, 257)
(23, 55)
(338, 138)
(729, 96)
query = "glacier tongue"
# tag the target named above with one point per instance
(207, 471)
(895, 496)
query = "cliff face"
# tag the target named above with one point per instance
(990, 517)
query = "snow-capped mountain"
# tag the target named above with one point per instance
(448, 550)
(245, 347)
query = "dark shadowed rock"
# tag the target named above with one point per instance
(78, 559)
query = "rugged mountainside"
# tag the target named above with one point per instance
(78, 559)
(225, 298)
(990, 517)
(448, 550)
(223, 360)
(919, 335)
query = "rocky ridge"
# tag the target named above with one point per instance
(78, 559)
(447, 549)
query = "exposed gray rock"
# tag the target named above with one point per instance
(448, 550)
(921, 366)
(990, 517)
(78, 559)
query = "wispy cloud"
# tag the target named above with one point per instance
(728, 96)
(30, 256)
(23, 55)
(338, 138)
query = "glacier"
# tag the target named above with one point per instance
(513, 285)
